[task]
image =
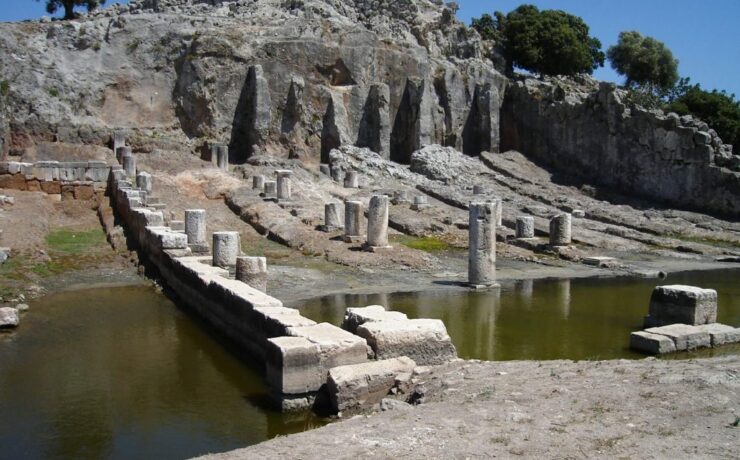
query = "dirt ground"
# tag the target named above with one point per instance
(551, 409)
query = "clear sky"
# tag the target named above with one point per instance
(703, 35)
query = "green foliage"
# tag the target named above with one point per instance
(133, 45)
(550, 42)
(53, 92)
(644, 61)
(717, 108)
(4, 87)
(52, 6)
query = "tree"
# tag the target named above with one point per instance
(644, 61)
(69, 5)
(550, 42)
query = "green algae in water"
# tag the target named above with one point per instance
(588, 318)
(122, 373)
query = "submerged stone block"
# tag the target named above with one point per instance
(655, 344)
(337, 346)
(424, 340)
(362, 385)
(682, 304)
(684, 336)
(355, 317)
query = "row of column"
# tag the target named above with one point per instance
(377, 221)
(281, 188)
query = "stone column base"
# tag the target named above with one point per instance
(368, 248)
(481, 287)
(353, 238)
(199, 248)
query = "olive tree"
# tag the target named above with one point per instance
(52, 6)
(644, 62)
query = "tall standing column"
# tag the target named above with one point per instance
(195, 229)
(283, 184)
(129, 165)
(377, 223)
(352, 216)
(270, 189)
(225, 249)
(222, 152)
(258, 182)
(525, 227)
(560, 230)
(482, 241)
(252, 271)
(144, 181)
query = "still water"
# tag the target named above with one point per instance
(122, 373)
(547, 319)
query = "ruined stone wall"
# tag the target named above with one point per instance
(587, 131)
(79, 180)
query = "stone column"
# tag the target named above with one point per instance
(222, 152)
(121, 152)
(332, 217)
(377, 222)
(225, 249)
(258, 182)
(283, 184)
(252, 271)
(144, 181)
(195, 228)
(325, 169)
(337, 174)
(270, 189)
(351, 180)
(129, 165)
(478, 190)
(482, 241)
(352, 216)
(525, 227)
(560, 230)
(420, 202)
(499, 211)
(119, 140)
(401, 196)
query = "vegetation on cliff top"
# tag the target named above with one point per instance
(644, 61)
(69, 5)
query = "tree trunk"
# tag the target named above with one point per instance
(69, 9)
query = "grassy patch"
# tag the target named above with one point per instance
(71, 242)
(4, 87)
(424, 243)
(708, 241)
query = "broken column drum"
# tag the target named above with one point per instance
(195, 226)
(252, 271)
(121, 152)
(351, 180)
(258, 182)
(129, 165)
(332, 217)
(478, 190)
(283, 184)
(377, 222)
(225, 248)
(352, 216)
(270, 188)
(482, 241)
(325, 169)
(560, 230)
(420, 202)
(144, 181)
(525, 227)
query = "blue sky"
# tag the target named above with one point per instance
(704, 36)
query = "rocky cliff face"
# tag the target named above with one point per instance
(587, 130)
(293, 77)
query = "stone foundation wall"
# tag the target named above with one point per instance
(72, 180)
(589, 131)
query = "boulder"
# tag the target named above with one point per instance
(9, 318)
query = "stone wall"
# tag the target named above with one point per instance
(79, 180)
(588, 130)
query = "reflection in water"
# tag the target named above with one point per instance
(547, 319)
(121, 373)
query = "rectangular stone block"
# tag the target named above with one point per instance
(354, 317)
(277, 321)
(682, 304)
(167, 239)
(293, 365)
(337, 346)
(651, 343)
(684, 336)
(358, 386)
(721, 334)
(424, 340)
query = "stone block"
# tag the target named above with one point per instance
(9, 318)
(600, 261)
(720, 334)
(167, 239)
(424, 340)
(52, 188)
(277, 321)
(293, 365)
(684, 336)
(651, 343)
(337, 346)
(682, 304)
(358, 386)
(354, 317)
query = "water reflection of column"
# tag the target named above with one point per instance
(525, 289)
(484, 308)
(562, 296)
